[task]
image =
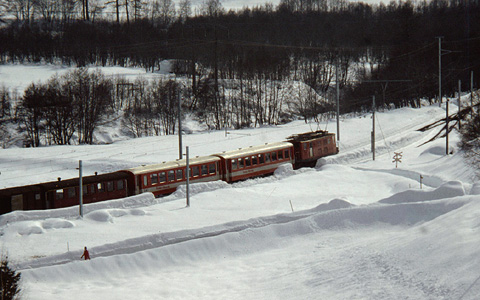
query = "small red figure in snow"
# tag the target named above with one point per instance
(85, 254)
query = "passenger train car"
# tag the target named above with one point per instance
(301, 150)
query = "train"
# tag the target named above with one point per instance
(300, 150)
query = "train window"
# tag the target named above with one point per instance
(212, 168)
(240, 163)
(254, 160)
(261, 159)
(328, 141)
(154, 178)
(120, 185)
(287, 153)
(59, 194)
(92, 188)
(37, 197)
(274, 156)
(280, 154)
(110, 186)
(179, 174)
(204, 170)
(247, 162)
(304, 146)
(267, 157)
(195, 171)
(71, 192)
(145, 180)
(162, 178)
(85, 189)
(171, 175)
(101, 186)
(234, 164)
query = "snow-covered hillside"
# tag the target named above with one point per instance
(351, 228)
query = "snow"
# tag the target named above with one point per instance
(350, 228)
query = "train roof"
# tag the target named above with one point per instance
(308, 136)
(254, 149)
(59, 184)
(172, 164)
(7, 192)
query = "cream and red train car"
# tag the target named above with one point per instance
(254, 161)
(64, 193)
(161, 179)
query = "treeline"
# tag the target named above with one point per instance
(68, 109)
(390, 51)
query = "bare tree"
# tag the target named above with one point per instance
(212, 8)
(47, 8)
(92, 94)
(23, 10)
(30, 114)
(59, 112)
(166, 12)
(67, 9)
(85, 10)
(184, 10)
(4, 102)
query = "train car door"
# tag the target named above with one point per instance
(50, 199)
(17, 202)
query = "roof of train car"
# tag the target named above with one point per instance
(254, 149)
(19, 190)
(309, 136)
(85, 179)
(172, 164)
(60, 184)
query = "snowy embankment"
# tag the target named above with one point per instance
(336, 250)
(320, 217)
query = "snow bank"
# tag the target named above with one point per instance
(108, 215)
(38, 227)
(475, 190)
(197, 188)
(448, 190)
(336, 214)
(142, 200)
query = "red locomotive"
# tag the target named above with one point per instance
(301, 150)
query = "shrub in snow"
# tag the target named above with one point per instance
(10, 281)
(470, 142)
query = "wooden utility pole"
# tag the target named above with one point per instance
(188, 179)
(80, 189)
(180, 154)
(446, 127)
(440, 70)
(471, 92)
(373, 127)
(459, 102)
(338, 101)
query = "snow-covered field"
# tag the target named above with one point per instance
(351, 228)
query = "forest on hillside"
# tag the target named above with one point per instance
(239, 60)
